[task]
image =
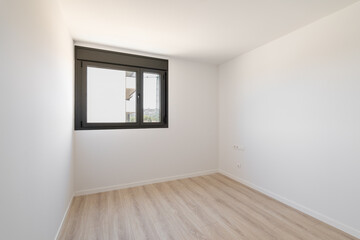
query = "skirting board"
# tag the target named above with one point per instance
(314, 214)
(141, 183)
(64, 217)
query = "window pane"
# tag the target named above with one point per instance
(151, 97)
(111, 95)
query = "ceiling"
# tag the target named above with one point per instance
(211, 31)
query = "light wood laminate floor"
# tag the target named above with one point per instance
(207, 207)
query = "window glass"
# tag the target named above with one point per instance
(111, 95)
(151, 104)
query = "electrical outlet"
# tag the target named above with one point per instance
(238, 148)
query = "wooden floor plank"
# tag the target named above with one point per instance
(211, 207)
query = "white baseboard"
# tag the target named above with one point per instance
(141, 183)
(64, 217)
(315, 214)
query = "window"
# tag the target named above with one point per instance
(116, 90)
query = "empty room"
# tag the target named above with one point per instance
(180, 120)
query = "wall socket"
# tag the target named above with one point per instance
(238, 148)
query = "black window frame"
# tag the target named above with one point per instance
(92, 57)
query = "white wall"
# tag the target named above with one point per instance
(294, 104)
(106, 158)
(36, 119)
